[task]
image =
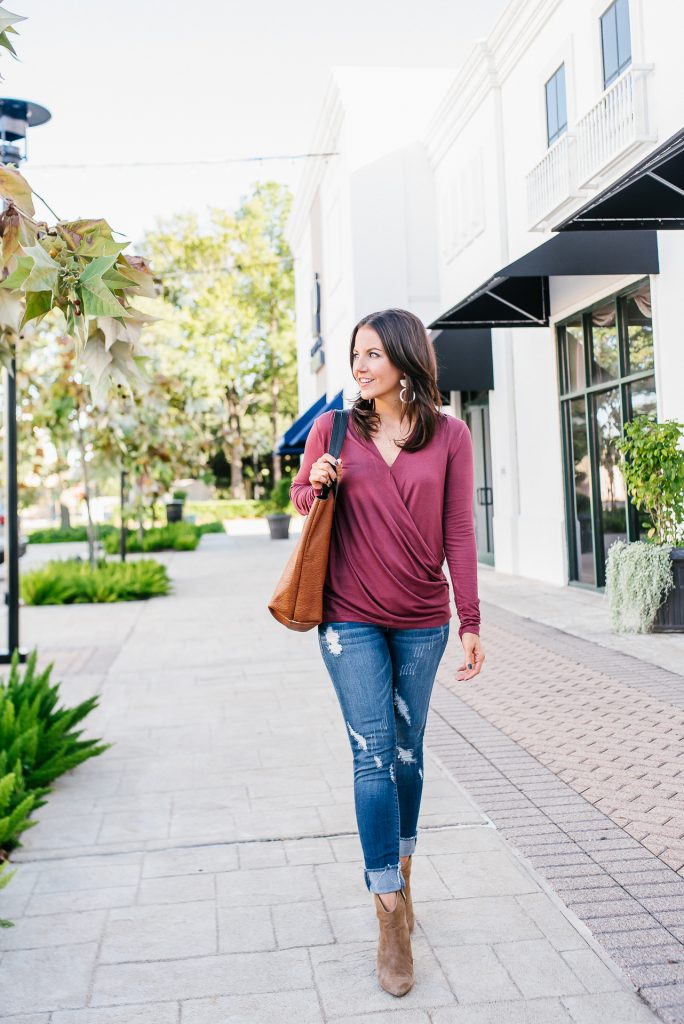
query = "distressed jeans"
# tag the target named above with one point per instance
(383, 679)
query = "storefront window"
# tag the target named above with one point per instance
(598, 509)
(605, 363)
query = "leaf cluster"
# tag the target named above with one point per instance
(653, 470)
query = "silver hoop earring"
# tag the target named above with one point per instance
(402, 393)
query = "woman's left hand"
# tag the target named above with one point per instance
(474, 657)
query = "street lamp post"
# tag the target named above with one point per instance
(16, 116)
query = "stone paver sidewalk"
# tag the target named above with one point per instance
(207, 870)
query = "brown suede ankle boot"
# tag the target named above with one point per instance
(406, 872)
(394, 962)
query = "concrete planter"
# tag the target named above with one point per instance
(670, 616)
(279, 525)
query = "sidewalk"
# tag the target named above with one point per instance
(207, 870)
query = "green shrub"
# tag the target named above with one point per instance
(174, 537)
(652, 464)
(36, 731)
(69, 582)
(213, 527)
(57, 535)
(279, 500)
(39, 741)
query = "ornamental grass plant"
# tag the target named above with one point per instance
(638, 579)
(75, 582)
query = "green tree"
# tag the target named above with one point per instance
(227, 319)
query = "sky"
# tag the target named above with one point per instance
(163, 82)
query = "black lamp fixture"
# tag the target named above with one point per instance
(16, 117)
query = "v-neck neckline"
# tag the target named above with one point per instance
(382, 457)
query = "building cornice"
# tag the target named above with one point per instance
(489, 63)
(325, 140)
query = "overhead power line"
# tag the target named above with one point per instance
(222, 161)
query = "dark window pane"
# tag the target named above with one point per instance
(624, 42)
(604, 345)
(642, 395)
(582, 492)
(611, 483)
(637, 309)
(574, 341)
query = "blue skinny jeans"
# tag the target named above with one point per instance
(383, 678)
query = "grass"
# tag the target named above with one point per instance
(75, 582)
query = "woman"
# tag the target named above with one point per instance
(405, 504)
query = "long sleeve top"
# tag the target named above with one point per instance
(393, 527)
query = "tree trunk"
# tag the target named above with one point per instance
(277, 467)
(233, 447)
(237, 482)
(64, 517)
(86, 497)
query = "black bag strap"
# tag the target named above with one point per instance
(339, 430)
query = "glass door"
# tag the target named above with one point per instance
(476, 415)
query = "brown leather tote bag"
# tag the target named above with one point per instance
(297, 600)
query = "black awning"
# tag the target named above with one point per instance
(464, 359)
(518, 296)
(651, 195)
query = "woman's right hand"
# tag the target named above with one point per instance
(325, 471)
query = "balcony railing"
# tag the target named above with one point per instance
(617, 124)
(550, 183)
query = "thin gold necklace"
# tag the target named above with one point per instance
(393, 440)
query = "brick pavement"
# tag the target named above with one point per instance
(576, 754)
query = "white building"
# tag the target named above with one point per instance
(363, 228)
(558, 103)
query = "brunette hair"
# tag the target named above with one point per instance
(408, 347)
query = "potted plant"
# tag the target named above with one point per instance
(645, 579)
(174, 508)
(279, 517)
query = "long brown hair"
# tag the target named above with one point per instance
(408, 347)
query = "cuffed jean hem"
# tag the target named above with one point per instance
(387, 879)
(407, 846)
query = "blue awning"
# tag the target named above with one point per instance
(294, 438)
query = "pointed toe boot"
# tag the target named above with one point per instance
(406, 872)
(394, 961)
